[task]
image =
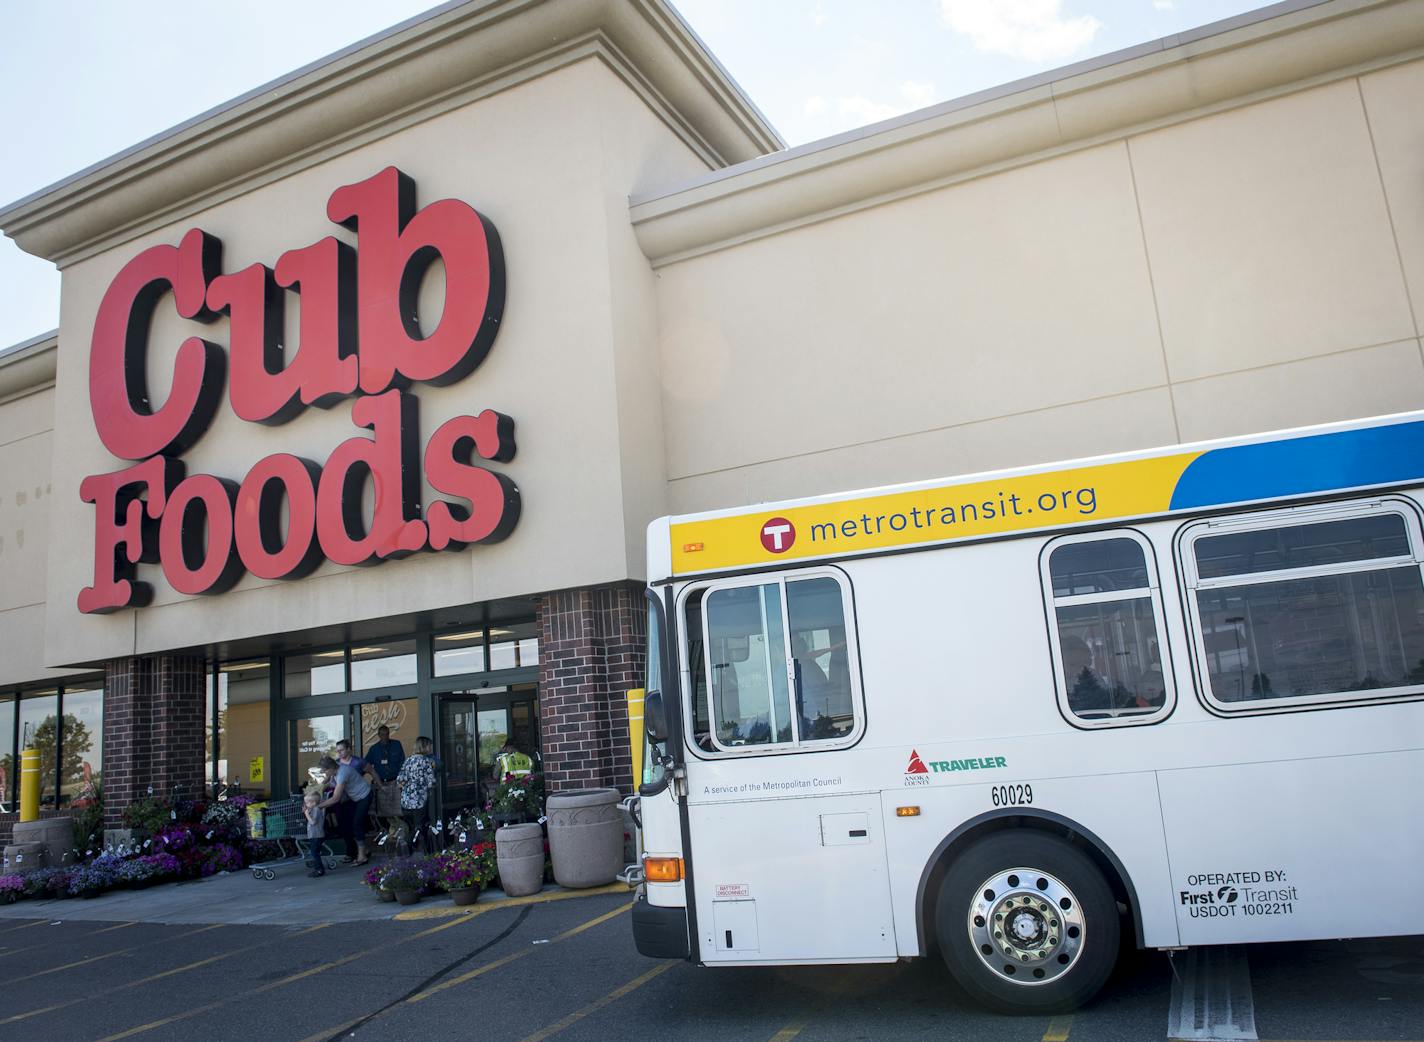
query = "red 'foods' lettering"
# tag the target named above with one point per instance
(359, 336)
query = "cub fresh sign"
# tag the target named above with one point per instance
(358, 338)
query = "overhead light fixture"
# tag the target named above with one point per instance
(469, 635)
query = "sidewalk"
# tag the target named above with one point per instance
(292, 899)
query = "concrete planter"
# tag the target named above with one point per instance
(585, 837)
(519, 849)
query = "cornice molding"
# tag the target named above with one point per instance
(1267, 53)
(29, 365)
(419, 69)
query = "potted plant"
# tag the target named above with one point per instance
(407, 877)
(12, 888)
(375, 879)
(464, 873)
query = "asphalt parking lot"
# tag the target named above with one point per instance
(566, 969)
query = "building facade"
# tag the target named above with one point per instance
(367, 384)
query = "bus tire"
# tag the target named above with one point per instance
(1027, 923)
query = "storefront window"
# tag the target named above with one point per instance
(243, 735)
(39, 730)
(462, 652)
(81, 745)
(317, 673)
(383, 665)
(8, 778)
(514, 646)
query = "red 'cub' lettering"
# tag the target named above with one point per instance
(358, 337)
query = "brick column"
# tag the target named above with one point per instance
(592, 644)
(153, 729)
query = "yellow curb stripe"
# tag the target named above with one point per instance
(790, 1031)
(593, 1007)
(421, 996)
(442, 911)
(1058, 1029)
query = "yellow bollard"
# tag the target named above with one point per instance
(30, 785)
(635, 733)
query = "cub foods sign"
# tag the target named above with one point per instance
(359, 338)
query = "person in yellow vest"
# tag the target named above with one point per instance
(511, 761)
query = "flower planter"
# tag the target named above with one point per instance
(465, 895)
(519, 849)
(407, 897)
(385, 895)
(586, 837)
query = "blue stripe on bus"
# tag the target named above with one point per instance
(1299, 466)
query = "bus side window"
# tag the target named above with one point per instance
(1308, 607)
(1107, 613)
(701, 720)
(825, 703)
(746, 658)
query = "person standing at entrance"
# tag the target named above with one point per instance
(352, 800)
(417, 781)
(386, 756)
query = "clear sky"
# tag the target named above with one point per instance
(83, 79)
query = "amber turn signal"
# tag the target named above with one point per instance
(662, 869)
(907, 812)
(691, 548)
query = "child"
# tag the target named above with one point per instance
(316, 832)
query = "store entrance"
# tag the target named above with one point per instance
(312, 737)
(474, 726)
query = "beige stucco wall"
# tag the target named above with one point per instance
(26, 498)
(1247, 270)
(551, 162)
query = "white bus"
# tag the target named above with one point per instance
(1170, 698)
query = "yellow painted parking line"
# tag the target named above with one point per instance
(91, 995)
(790, 1031)
(1058, 1029)
(25, 926)
(421, 996)
(108, 929)
(593, 1007)
(441, 911)
(89, 959)
(313, 971)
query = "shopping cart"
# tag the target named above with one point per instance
(282, 822)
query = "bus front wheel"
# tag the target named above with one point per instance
(1027, 924)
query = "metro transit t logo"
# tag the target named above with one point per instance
(778, 535)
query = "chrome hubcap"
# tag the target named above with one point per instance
(1026, 926)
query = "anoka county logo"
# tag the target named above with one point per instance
(916, 773)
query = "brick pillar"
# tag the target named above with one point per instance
(592, 644)
(153, 729)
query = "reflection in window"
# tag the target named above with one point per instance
(82, 746)
(746, 659)
(1109, 643)
(244, 709)
(1310, 610)
(818, 645)
(39, 730)
(511, 647)
(316, 673)
(385, 665)
(457, 653)
(8, 760)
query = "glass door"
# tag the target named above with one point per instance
(313, 737)
(474, 726)
(400, 715)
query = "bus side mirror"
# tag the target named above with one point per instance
(654, 717)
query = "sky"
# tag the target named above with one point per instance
(83, 79)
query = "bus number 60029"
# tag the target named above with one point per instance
(1012, 795)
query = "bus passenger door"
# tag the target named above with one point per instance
(788, 861)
